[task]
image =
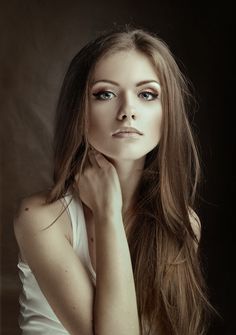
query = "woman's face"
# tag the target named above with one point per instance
(124, 92)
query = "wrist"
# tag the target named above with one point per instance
(107, 215)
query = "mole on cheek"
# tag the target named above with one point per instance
(26, 209)
(91, 239)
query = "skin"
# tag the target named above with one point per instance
(124, 91)
(111, 176)
(112, 172)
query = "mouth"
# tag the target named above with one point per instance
(126, 135)
(127, 132)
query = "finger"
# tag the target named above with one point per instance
(92, 159)
(81, 169)
(75, 183)
(76, 179)
(102, 161)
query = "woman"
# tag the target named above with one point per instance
(112, 247)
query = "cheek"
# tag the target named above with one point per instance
(100, 115)
(153, 123)
(94, 119)
(93, 122)
(156, 124)
(98, 123)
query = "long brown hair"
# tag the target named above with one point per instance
(169, 283)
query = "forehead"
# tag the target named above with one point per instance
(123, 66)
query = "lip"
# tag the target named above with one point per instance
(126, 135)
(127, 132)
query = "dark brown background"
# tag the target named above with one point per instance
(37, 41)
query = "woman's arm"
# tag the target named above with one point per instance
(57, 268)
(115, 310)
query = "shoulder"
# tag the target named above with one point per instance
(34, 215)
(195, 223)
(35, 207)
(58, 270)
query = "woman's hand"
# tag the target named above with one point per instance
(99, 185)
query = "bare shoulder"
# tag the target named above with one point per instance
(195, 223)
(35, 208)
(34, 215)
(60, 274)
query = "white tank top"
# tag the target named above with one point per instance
(36, 315)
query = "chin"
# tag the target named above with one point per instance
(124, 154)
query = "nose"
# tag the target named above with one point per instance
(126, 111)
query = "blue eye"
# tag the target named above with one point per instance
(148, 95)
(104, 95)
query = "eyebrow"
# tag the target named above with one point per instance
(140, 83)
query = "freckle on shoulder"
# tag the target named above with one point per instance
(31, 204)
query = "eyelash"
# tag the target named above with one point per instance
(98, 95)
(154, 95)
